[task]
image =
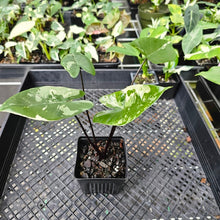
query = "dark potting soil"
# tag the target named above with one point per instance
(112, 167)
(207, 63)
(141, 80)
(161, 79)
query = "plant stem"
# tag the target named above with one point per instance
(109, 141)
(95, 147)
(87, 112)
(44, 47)
(138, 71)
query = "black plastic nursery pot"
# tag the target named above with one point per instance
(145, 15)
(110, 185)
(173, 81)
(168, 176)
(210, 94)
(152, 80)
(133, 9)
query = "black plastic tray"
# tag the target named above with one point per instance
(210, 94)
(165, 172)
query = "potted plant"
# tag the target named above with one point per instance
(35, 35)
(50, 103)
(98, 34)
(151, 10)
(147, 49)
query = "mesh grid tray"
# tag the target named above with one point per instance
(165, 178)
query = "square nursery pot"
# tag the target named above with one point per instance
(175, 173)
(210, 94)
(173, 81)
(113, 180)
(153, 80)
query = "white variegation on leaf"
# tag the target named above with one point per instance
(47, 103)
(128, 104)
(21, 28)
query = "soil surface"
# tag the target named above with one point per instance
(112, 167)
(161, 79)
(141, 80)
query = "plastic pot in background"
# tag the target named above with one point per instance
(173, 81)
(146, 16)
(152, 80)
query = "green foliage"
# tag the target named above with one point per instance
(153, 49)
(73, 62)
(213, 74)
(191, 17)
(204, 52)
(127, 104)
(47, 103)
(192, 39)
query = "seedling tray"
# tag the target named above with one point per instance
(169, 176)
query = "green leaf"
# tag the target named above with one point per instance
(175, 9)
(191, 17)
(70, 65)
(89, 18)
(54, 53)
(192, 39)
(128, 104)
(126, 49)
(55, 8)
(213, 74)
(176, 12)
(204, 52)
(111, 18)
(48, 103)
(51, 39)
(118, 29)
(154, 32)
(67, 44)
(76, 29)
(84, 63)
(56, 26)
(20, 50)
(21, 28)
(156, 50)
(208, 25)
(92, 51)
(73, 62)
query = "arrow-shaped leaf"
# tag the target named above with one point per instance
(21, 28)
(128, 104)
(47, 103)
(192, 39)
(156, 50)
(125, 49)
(73, 62)
(191, 17)
(213, 74)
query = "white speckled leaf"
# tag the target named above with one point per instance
(128, 104)
(47, 103)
